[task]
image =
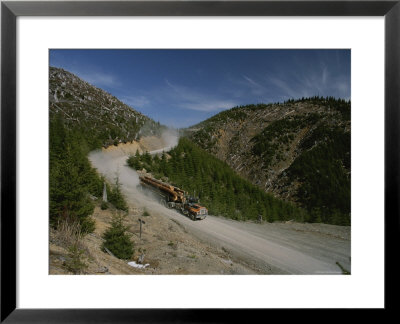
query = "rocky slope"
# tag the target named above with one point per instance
(165, 245)
(298, 150)
(101, 117)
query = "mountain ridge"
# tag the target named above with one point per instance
(100, 116)
(267, 143)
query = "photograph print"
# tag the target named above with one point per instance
(199, 161)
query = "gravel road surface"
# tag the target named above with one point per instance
(280, 248)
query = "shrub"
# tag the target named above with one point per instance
(74, 262)
(88, 225)
(69, 235)
(67, 232)
(116, 198)
(104, 205)
(117, 240)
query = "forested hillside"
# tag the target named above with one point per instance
(296, 150)
(219, 188)
(83, 118)
(73, 181)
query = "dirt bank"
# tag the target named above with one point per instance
(149, 143)
(167, 246)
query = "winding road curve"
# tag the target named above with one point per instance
(277, 248)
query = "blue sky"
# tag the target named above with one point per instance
(180, 88)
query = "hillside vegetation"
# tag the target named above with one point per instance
(73, 183)
(98, 116)
(219, 188)
(298, 151)
(83, 118)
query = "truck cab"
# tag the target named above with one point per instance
(196, 211)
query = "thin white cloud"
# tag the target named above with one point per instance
(135, 101)
(209, 105)
(97, 78)
(324, 75)
(299, 84)
(343, 87)
(188, 98)
(244, 85)
(91, 73)
(251, 81)
(284, 87)
(169, 84)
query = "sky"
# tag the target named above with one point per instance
(180, 88)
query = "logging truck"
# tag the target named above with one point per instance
(174, 197)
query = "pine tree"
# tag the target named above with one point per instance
(68, 200)
(116, 197)
(117, 240)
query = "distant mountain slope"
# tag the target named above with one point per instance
(219, 188)
(298, 150)
(94, 113)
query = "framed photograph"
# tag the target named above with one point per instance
(300, 99)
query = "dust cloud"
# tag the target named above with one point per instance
(170, 139)
(112, 164)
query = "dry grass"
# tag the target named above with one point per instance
(68, 234)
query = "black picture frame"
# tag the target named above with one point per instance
(10, 10)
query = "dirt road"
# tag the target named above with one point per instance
(280, 248)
